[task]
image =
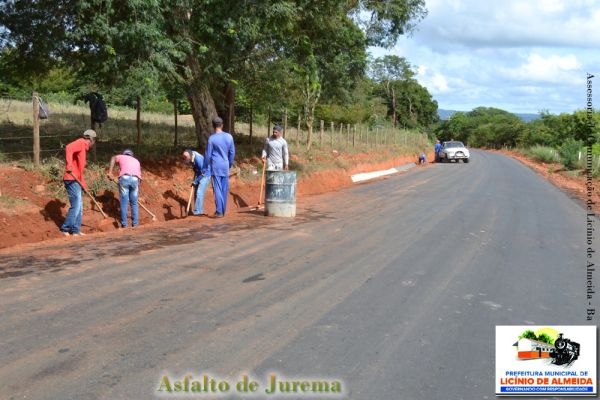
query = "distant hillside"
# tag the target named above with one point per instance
(446, 114)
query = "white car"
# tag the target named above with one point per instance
(454, 151)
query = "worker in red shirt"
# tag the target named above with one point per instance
(75, 153)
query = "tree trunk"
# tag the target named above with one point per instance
(413, 116)
(229, 112)
(203, 111)
(201, 102)
(309, 129)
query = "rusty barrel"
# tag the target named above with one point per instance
(280, 194)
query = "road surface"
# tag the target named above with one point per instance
(392, 287)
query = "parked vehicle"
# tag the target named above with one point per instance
(454, 151)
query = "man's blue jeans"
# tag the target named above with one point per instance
(200, 190)
(128, 194)
(72, 222)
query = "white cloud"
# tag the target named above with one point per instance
(552, 6)
(553, 69)
(522, 56)
(515, 23)
(435, 82)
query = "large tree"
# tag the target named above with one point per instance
(391, 72)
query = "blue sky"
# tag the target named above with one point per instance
(518, 55)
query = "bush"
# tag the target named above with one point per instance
(569, 153)
(543, 154)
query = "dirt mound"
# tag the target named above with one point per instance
(32, 207)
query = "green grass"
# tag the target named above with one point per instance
(550, 155)
(542, 154)
(582, 163)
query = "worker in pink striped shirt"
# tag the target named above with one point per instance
(130, 175)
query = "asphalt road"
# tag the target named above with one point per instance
(393, 287)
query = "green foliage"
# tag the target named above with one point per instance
(385, 21)
(544, 337)
(294, 53)
(483, 127)
(553, 130)
(528, 334)
(569, 153)
(409, 104)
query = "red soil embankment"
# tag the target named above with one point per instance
(30, 212)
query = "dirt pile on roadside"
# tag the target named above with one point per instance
(32, 207)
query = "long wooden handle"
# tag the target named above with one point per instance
(187, 209)
(262, 182)
(139, 198)
(148, 211)
(89, 194)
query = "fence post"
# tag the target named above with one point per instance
(137, 120)
(298, 131)
(367, 136)
(321, 134)
(354, 136)
(269, 123)
(284, 121)
(347, 135)
(175, 115)
(332, 133)
(341, 134)
(36, 130)
(251, 120)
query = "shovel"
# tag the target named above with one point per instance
(259, 205)
(139, 198)
(89, 194)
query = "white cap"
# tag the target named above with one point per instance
(90, 133)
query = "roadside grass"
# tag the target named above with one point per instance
(582, 164)
(542, 154)
(576, 165)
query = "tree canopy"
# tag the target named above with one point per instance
(301, 51)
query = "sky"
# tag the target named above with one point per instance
(518, 55)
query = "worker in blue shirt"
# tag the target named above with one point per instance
(218, 159)
(437, 148)
(200, 181)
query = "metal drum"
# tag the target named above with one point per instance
(280, 194)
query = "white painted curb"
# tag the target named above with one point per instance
(376, 174)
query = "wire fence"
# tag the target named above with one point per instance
(161, 135)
